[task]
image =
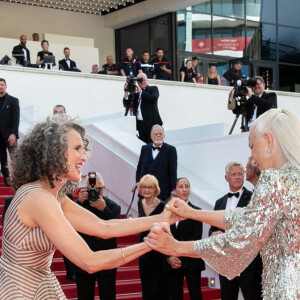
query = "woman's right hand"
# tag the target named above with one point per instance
(180, 208)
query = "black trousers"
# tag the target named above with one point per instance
(106, 286)
(250, 283)
(153, 280)
(144, 132)
(4, 145)
(176, 281)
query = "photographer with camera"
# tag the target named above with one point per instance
(142, 100)
(258, 101)
(92, 199)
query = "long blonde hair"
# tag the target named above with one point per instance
(285, 127)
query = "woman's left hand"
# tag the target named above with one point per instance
(161, 239)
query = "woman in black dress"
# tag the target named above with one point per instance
(212, 76)
(151, 264)
(41, 54)
(187, 73)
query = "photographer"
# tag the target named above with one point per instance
(145, 104)
(258, 101)
(93, 200)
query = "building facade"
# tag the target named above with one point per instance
(264, 34)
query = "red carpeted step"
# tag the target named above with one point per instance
(128, 273)
(6, 191)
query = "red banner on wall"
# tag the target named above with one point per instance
(220, 44)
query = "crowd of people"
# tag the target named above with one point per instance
(157, 68)
(41, 217)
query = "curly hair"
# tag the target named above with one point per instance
(42, 155)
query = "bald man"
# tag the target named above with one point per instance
(147, 114)
(21, 49)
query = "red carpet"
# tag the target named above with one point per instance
(128, 282)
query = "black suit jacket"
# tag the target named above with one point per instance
(187, 230)
(10, 117)
(243, 202)
(263, 103)
(64, 66)
(165, 167)
(111, 211)
(149, 107)
(19, 48)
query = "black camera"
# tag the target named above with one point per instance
(131, 89)
(131, 83)
(93, 193)
(240, 88)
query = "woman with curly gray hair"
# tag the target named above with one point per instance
(41, 218)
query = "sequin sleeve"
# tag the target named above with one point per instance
(247, 229)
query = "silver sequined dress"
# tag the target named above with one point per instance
(270, 224)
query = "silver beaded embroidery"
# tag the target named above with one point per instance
(270, 224)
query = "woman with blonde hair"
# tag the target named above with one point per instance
(212, 76)
(151, 264)
(269, 225)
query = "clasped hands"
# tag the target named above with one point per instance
(160, 237)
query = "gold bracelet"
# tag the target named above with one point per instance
(123, 255)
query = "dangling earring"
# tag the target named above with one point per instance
(268, 152)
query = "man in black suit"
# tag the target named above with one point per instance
(145, 103)
(158, 159)
(9, 126)
(177, 268)
(250, 279)
(22, 50)
(67, 64)
(258, 101)
(105, 209)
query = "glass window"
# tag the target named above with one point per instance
(229, 36)
(128, 39)
(229, 8)
(201, 33)
(159, 30)
(261, 41)
(289, 78)
(202, 8)
(288, 12)
(261, 10)
(289, 44)
(181, 36)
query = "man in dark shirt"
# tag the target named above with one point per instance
(21, 49)
(146, 65)
(110, 68)
(9, 127)
(194, 67)
(67, 64)
(234, 74)
(162, 66)
(104, 209)
(130, 64)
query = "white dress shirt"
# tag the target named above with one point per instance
(155, 152)
(233, 201)
(68, 63)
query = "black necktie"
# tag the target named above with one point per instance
(237, 194)
(156, 148)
